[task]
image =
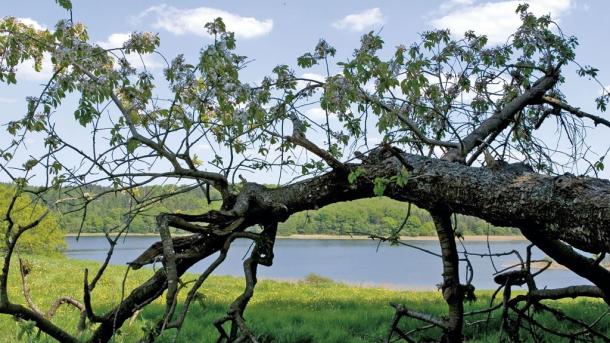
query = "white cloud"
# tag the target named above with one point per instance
(26, 71)
(31, 22)
(360, 21)
(497, 20)
(117, 40)
(183, 21)
(374, 140)
(451, 4)
(314, 76)
(315, 113)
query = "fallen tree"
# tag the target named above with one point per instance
(444, 154)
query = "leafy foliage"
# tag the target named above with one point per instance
(440, 98)
(378, 216)
(45, 239)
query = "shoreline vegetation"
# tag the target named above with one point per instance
(472, 238)
(378, 216)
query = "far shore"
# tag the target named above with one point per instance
(408, 238)
(476, 238)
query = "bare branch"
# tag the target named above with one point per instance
(575, 111)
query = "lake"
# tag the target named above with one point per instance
(356, 261)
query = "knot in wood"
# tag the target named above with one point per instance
(567, 183)
(450, 292)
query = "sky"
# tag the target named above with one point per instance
(278, 31)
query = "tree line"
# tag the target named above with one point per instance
(375, 216)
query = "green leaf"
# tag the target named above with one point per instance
(30, 164)
(132, 145)
(354, 175)
(403, 177)
(306, 61)
(65, 4)
(196, 160)
(380, 186)
(56, 167)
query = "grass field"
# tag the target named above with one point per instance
(311, 310)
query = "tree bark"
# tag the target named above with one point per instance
(201, 247)
(575, 210)
(452, 291)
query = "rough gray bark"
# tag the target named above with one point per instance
(452, 290)
(573, 209)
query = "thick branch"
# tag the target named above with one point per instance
(560, 293)
(501, 119)
(579, 264)
(316, 150)
(573, 209)
(298, 137)
(19, 311)
(424, 317)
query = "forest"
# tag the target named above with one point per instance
(375, 216)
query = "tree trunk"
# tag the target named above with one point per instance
(575, 210)
(452, 291)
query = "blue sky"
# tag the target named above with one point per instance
(278, 31)
(275, 32)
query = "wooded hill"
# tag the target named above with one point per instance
(380, 216)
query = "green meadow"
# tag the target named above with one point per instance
(311, 310)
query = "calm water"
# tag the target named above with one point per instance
(353, 261)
